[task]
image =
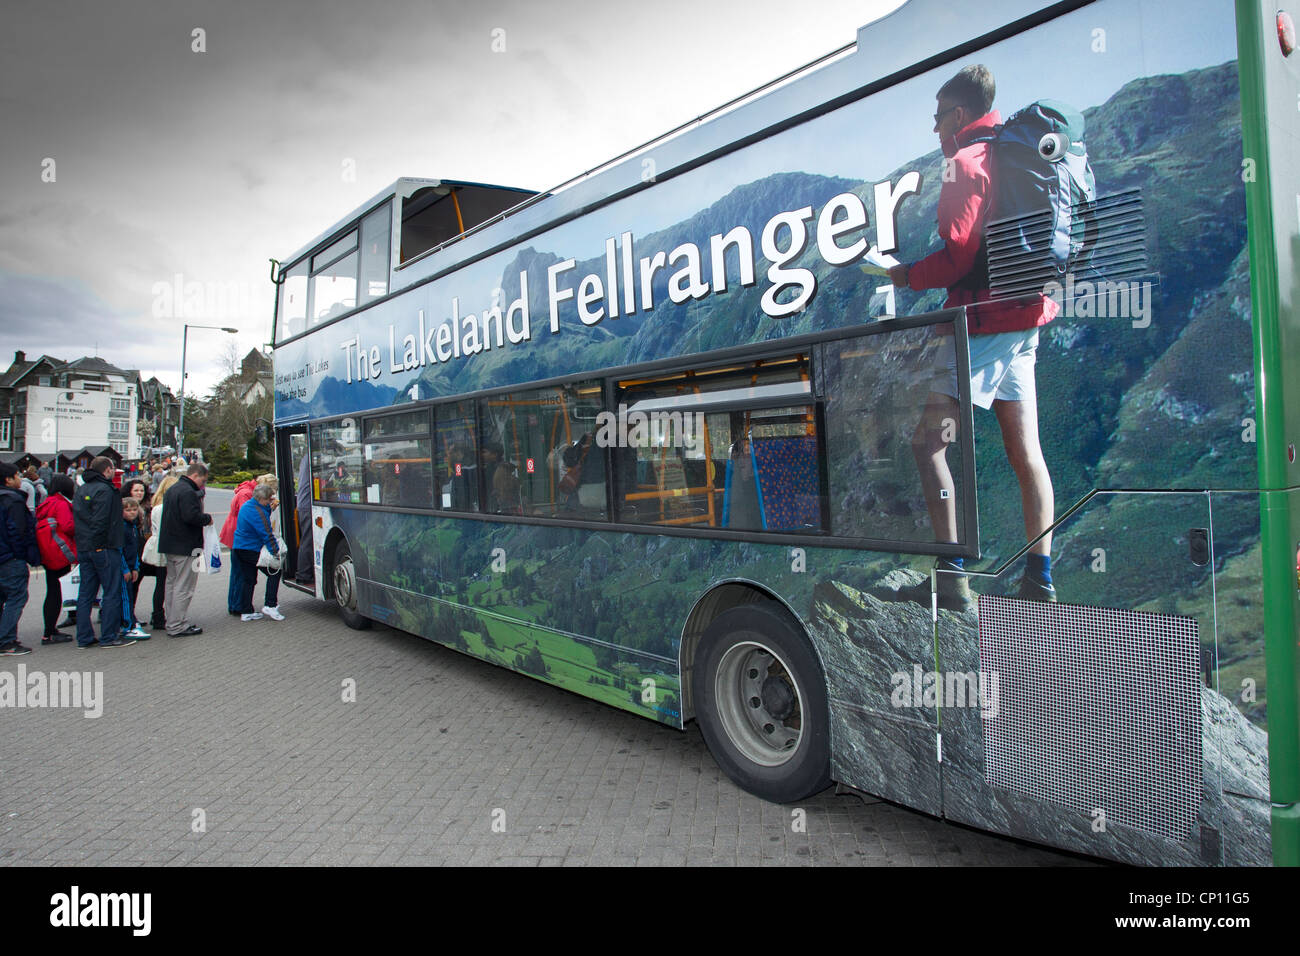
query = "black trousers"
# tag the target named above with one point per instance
(53, 599)
(159, 574)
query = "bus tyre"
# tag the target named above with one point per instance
(344, 577)
(762, 704)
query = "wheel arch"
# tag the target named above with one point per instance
(723, 596)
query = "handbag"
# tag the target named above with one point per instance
(265, 559)
(149, 554)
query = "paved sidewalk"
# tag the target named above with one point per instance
(236, 747)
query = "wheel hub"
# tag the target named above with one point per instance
(758, 704)
(345, 585)
(778, 697)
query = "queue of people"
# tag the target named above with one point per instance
(117, 538)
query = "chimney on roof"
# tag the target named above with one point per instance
(19, 357)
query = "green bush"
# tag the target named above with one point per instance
(233, 478)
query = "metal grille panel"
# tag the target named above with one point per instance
(1098, 709)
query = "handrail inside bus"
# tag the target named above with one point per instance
(680, 128)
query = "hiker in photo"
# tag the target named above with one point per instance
(1003, 343)
(180, 538)
(17, 551)
(97, 516)
(253, 532)
(56, 540)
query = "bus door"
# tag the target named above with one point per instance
(293, 466)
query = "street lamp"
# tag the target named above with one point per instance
(180, 431)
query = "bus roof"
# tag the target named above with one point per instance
(401, 188)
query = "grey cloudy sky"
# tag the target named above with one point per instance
(205, 165)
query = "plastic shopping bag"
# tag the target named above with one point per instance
(211, 550)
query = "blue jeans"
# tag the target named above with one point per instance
(234, 594)
(128, 619)
(13, 597)
(102, 568)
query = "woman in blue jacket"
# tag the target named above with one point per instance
(252, 533)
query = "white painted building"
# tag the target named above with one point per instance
(53, 406)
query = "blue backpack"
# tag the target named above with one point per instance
(1043, 221)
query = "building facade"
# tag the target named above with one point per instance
(47, 405)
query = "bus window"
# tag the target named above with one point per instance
(428, 218)
(876, 390)
(456, 454)
(539, 452)
(336, 461)
(375, 240)
(683, 460)
(434, 214)
(334, 287)
(293, 302)
(398, 460)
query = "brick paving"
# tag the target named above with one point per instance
(441, 759)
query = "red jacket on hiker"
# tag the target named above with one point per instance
(963, 208)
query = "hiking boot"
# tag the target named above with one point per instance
(1031, 590)
(954, 593)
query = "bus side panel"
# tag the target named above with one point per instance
(1110, 729)
(876, 654)
(522, 597)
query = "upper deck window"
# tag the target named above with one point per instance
(434, 214)
(348, 272)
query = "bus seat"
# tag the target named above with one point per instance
(788, 482)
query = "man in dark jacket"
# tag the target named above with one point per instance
(17, 550)
(180, 539)
(97, 517)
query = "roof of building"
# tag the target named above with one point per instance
(15, 373)
(95, 364)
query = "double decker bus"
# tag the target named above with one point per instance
(681, 437)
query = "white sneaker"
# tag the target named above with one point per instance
(273, 613)
(250, 617)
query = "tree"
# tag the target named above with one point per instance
(147, 430)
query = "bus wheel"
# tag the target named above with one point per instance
(345, 588)
(762, 704)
